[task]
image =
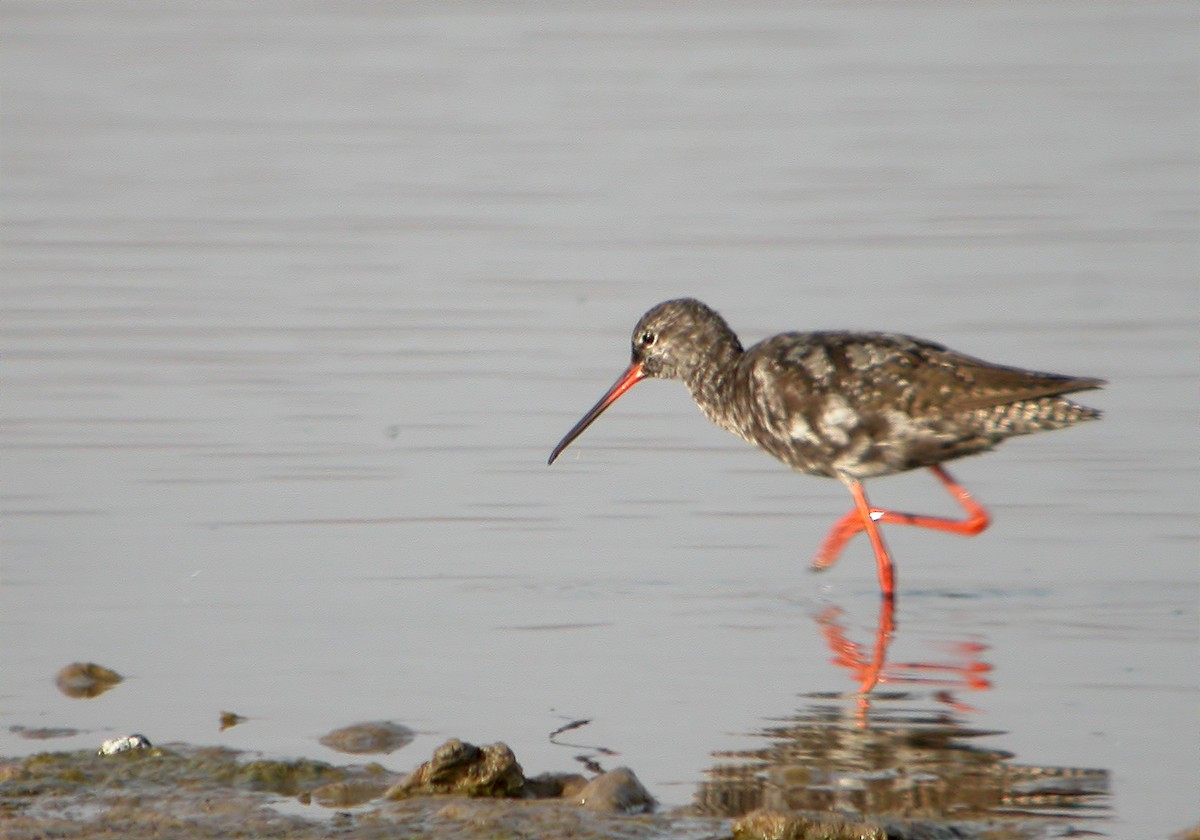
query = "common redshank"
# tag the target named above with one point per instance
(848, 405)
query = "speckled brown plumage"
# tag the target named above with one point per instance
(847, 405)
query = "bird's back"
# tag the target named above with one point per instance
(868, 404)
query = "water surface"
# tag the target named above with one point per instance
(298, 298)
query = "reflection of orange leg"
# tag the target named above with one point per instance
(874, 669)
(883, 637)
(865, 517)
(849, 655)
(970, 674)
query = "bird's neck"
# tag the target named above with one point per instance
(711, 383)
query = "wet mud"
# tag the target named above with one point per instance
(185, 791)
(189, 791)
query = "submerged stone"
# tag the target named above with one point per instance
(43, 733)
(85, 680)
(555, 785)
(616, 792)
(374, 737)
(347, 794)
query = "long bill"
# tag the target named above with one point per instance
(632, 376)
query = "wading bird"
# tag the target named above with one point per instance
(848, 405)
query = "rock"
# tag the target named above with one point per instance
(85, 680)
(464, 769)
(229, 720)
(363, 738)
(616, 792)
(778, 825)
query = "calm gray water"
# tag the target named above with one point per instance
(297, 298)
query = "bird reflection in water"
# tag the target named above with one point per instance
(902, 754)
(869, 670)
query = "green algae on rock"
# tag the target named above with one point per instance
(287, 778)
(780, 825)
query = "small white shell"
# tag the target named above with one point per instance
(119, 745)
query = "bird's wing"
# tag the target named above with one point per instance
(893, 371)
(964, 383)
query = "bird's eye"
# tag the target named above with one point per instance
(646, 338)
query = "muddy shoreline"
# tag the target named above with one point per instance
(189, 791)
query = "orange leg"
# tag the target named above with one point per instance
(883, 560)
(864, 518)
